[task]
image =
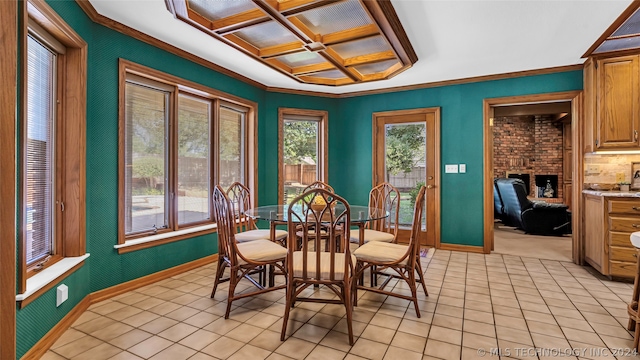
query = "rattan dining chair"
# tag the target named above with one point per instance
(307, 264)
(400, 259)
(387, 197)
(242, 258)
(246, 229)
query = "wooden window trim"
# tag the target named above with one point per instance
(71, 112)
(131, 242)
(323, 143)
(10, 70)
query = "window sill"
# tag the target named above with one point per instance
(47, 278)
(154, 240)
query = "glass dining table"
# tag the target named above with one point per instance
(279, 215)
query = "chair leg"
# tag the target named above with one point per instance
(219, 272)
(233, 281)
(414, 291)
(289, 296)
(636, 336)
(421, 276)
(349, 309)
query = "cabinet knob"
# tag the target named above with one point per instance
(635, 135)
(636, 208)
(430, 186)
(635, 225)
(635, 255)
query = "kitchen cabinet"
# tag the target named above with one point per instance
(612, 90)
(609, 222)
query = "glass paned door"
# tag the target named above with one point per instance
(405, 156)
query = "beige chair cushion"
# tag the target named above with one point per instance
(370, 235)
(376, 251)
(261, 250)
(259, 234)
(325, 265)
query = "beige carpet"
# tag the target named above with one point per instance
(509, 241)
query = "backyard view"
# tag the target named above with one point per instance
(146, 174)
(405, 161)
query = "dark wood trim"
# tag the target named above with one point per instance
(102, 20)
(114, 25)
(635, 4)
(217, 98)
(575, 98)
(49, 285)
(324, 144)
(115, 290)
(465, 248)
(385, 15)
(70, 128)
(377, 161)
(469, 80)
(43, 345)
(146, 245)
(9, 70)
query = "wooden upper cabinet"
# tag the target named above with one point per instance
(589, 105)
(617, 103)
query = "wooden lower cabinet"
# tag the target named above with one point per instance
(609, 222)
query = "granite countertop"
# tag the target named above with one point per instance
(612, 193)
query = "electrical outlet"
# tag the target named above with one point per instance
(619, 177)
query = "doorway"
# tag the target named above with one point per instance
(573, 168)
(406, 154)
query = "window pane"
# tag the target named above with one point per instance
(39, 150)
(300, 143)
(231, 139)
(193, 159)
(405, 149)
(146, 111)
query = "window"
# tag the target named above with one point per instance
(303, 151)
(40, 151)
(180, 140)
(52, 181)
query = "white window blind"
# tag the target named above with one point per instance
(231, 138)
(40, 150)
(194, 159)
(146, 158)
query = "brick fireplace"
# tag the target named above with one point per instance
(530, 145)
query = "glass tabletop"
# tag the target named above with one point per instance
(359, 214)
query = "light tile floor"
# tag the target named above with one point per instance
(528, 308)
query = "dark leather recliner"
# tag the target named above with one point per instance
(539, 218)
(498, 208)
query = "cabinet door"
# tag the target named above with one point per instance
(589, 111)
(617, 112)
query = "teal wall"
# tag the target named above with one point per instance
(349, 157)
(461, 137)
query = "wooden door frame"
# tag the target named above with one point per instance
(9, 30)
(576, 99)
(436, 145)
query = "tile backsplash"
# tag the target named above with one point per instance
(603, 168)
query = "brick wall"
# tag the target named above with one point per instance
(528, 144)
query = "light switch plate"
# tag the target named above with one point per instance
(451, 169)
(463, 168)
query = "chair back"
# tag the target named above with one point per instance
(225, 222)
(317, 215)
(318, 185)
(416, 227)
(240, 198)
(514, 200)
(386, 197)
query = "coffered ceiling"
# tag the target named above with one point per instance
(452, 39)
